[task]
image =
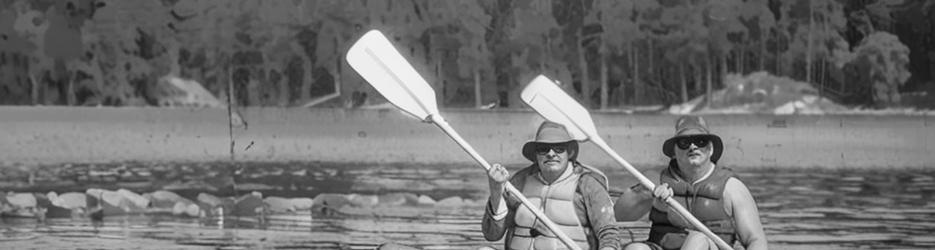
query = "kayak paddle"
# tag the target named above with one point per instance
(555, 105)
(378, 62)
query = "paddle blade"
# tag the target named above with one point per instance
(555, 105)
(381, 65)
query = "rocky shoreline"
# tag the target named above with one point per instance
(209, 190)
(288, 205)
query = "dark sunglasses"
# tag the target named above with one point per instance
(544, 149)
(686, 142)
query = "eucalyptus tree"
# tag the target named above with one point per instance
(817, 28)
(535, 41)
(887, 59)
(57, 38)
(760, 21)
(579, 45)
(456, 41)
(685, 39)
(619, 34)
(131, 45)
(726, 37)
(21, 59)
(213, 29)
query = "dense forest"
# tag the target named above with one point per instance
(872, 53)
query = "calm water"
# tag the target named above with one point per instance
(439, 206)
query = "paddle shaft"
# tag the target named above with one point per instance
(441, 123)
(649, 184)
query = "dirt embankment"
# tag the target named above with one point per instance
(32, 135)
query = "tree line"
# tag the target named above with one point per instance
(607, 53)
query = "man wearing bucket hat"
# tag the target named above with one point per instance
(713, 194)
(571, 194)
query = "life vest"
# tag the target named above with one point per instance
(556, 201)
(703, 199)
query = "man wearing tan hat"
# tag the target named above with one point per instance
(711, 193)
(571, 194)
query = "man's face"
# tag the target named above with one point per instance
(693, 151)
(552, 157)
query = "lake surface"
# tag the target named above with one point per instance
(439, 206)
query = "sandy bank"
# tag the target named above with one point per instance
(79, 134)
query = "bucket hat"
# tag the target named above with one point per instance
(691, 126)
(550, 133)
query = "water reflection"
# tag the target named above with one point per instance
(439, 206)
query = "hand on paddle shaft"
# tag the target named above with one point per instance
(384, 68)
(497, 177)
(663, 191)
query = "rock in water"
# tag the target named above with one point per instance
(213, 205)
(70, 200)
(186, 208)
(453, 201)
(164, 199)
(425, 201)
(328, 203)
(302, 203)
(249, 205)
(279, 204)
(44, 203)
(21, 205)
(363, 200)
(21, 199)
(137, 203)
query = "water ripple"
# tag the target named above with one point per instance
(800, 208)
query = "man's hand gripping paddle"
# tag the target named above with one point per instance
(378, 62)
(557, 106)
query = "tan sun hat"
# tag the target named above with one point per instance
(550, 133)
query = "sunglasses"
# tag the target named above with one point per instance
(685, 143)
(544, 149)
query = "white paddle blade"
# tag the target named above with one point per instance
(381, 65)
(555, 105)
